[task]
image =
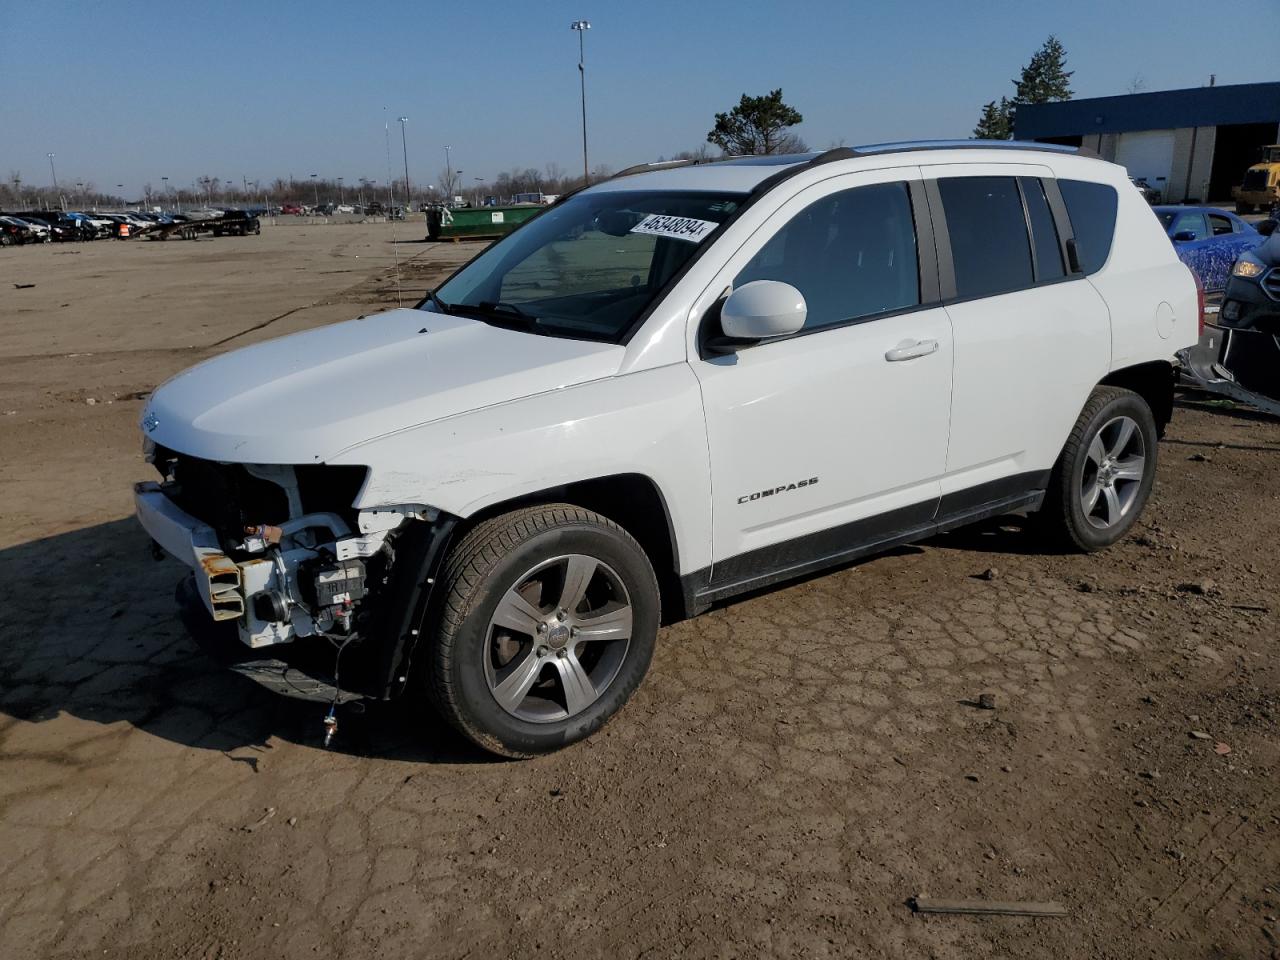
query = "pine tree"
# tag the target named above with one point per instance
(757, 125)
(996, 121)
(1046, 78)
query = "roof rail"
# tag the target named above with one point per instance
(848, 153)
(667, 165)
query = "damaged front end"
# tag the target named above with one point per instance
(289, 583)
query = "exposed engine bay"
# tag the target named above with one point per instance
(279, 553)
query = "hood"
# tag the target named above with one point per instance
(308, 396)
(1268, 252)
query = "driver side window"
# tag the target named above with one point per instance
(852, 255)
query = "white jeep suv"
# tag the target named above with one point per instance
(685, 382)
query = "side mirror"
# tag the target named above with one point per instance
(1183, 236)
(1266, 227)
(762, 309)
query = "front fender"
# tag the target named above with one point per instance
(648, 423)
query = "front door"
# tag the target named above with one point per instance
(832, 439)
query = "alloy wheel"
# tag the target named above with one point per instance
(1114, 466)
(557, 639)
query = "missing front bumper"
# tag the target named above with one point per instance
(188, 540)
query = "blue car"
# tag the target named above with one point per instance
(1208, 241)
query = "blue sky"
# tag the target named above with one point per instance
(131, 90)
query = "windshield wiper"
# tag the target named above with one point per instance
(506, 314)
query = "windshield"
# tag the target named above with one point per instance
(586, 268)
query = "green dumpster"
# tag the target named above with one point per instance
(466, 223)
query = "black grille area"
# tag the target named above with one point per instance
(228, 498)
(225, 496)
(1271, 283)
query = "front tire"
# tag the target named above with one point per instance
(548, 625)
(1104, 476)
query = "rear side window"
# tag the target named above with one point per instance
(1220, 225)
(1092, 209)
(852, 255)
(989, 244)
(1044, 234)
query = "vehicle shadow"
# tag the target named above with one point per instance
(90, 629)
(1209, 403)
(1010, 534)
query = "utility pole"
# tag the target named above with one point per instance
(54, 175)
(582, 26)
(341, 200)
(448, 172)
(315, 186)
(408, 194)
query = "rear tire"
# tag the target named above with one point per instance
(547, 627)
(1104, 475)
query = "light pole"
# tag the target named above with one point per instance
(404, 146)
(165, 181)
(448, 173)
(461, 188)
(582, 26)
(476, 190)
(341, 199)
(315, 185)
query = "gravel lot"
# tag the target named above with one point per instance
(796, 767)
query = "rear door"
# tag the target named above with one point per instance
(1032, 338)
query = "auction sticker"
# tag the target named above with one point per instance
(677, 228)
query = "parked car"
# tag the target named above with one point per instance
(291, 208)
(14, 232)
(1208, 240)
(344, 208)
(1152, 195)
(1251, 300)
(62, 226)
(41, 229)
(237, 223)
(739, 373)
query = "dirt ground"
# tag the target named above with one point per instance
(796, 767)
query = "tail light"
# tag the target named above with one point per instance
(1199, 302)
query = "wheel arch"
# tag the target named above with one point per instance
(1153, 381)
(635, 502)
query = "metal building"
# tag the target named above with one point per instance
(1192, 145)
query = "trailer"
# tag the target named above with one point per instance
(229, 222)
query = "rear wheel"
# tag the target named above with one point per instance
(1103, 478)
(547, 628)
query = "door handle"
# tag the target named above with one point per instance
(911, 349)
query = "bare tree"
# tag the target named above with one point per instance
(1137, 83)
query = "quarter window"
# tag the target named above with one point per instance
(852, 255)
(989, 244)
(1092, 209)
